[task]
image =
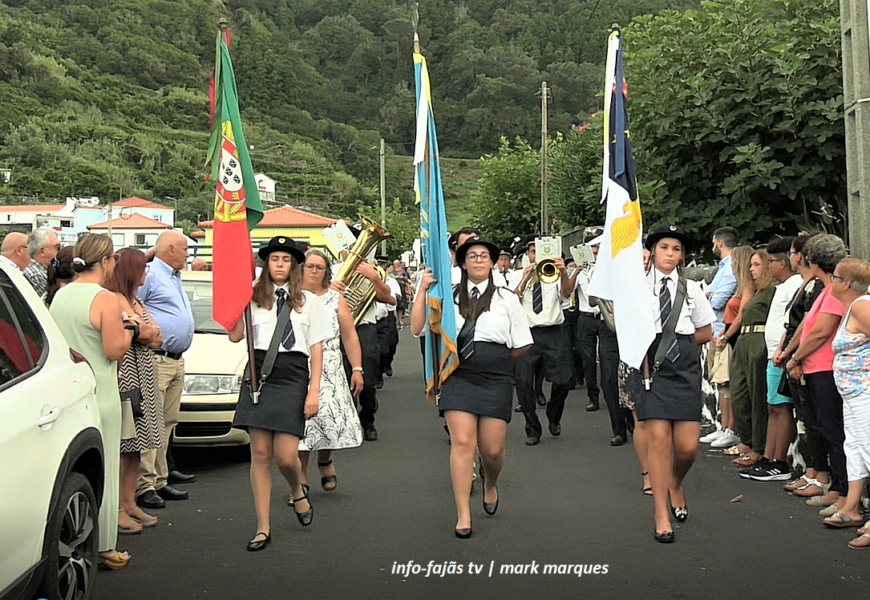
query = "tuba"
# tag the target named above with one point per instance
(360, 292)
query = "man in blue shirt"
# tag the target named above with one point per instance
(721, 290)
(164, 297)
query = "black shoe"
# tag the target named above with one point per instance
(179, 477)
(762, 465)
(533, 440)
(379, 385)
(463, 534)
(555, 428)
(581, 383)
(388, 372)
(324, 481)
(371, 434)
(490, 507)
(681, 513)
(150, 499)
(256, 545)
(617, 440)
(541, 400)
(170, 493)
(518, 408)
(592, 406)
(665, 537)
(304, 517)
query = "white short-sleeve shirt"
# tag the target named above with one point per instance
(777, 317)
(310, 326)
(696, 311)
(395, 291)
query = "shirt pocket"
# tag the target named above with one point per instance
(259, 320)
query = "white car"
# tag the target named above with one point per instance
(213, 368)
(51, 453)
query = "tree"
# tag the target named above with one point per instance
(508, 197)
(738, 110)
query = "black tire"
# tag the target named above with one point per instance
(71, 543)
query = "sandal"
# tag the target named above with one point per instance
(131, 527)
(305, 489)
(794, 484)
(814, 487)
(147, 521)
(324, 481)
(647, 491)
(114, 563)
(745, 460)
(839, 521)
(732, 451)
(865, 537)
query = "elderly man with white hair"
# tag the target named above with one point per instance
(13, 250)
(42, 246)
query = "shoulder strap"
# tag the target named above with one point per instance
(272, 353)
(669, 329)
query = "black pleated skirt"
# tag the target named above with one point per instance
(675, 393)
(483, 384)
(281, 406)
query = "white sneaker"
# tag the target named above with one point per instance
(726, 440)
(711, 437)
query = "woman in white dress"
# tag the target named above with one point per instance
(336, 425)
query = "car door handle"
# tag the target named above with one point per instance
(51, 417)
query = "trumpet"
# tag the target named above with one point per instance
(546, 271)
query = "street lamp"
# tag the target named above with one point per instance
(175, 214)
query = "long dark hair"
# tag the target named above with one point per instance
(128, 273)
(264, 287)
(60, 271)
(461, 297)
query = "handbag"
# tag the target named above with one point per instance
(784, 389)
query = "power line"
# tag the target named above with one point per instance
(589, 20)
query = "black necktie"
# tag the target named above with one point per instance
(537, 298)
(466, 346)
(665, 308)
(289, 337)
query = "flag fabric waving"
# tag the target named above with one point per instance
(619, 275)
(237, 207)
(441, 355)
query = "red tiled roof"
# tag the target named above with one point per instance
(197, 234)
(134, 221)
(287, 216)
(137, 202)
(33, 208)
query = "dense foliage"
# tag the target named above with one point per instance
(110, 97)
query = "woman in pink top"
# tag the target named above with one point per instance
(814, 359)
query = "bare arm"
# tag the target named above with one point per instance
(237, 333)
(704, 334)
(351, 344)
(382, 290)
(312, 399)
(105, 316)
(518, 352)
(566, 283)
(826, 324)
(418, 311)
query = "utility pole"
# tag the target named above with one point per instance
(544, 99)
(856, 99)
(383, 198)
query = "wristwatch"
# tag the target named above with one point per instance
(360, 369)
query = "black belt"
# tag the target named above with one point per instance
(172, 355)
(591, 314)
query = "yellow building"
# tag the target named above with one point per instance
(291, 222)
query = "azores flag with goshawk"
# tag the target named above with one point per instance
(619, 273)
(237, 206)
(441, 355)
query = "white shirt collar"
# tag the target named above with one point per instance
(658, 276)
(481, 287)
(285, 287)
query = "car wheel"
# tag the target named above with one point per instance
(71, 540)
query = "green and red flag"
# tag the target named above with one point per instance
(237, 206)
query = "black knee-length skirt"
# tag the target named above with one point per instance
(483, 384)
(675, 393)
(281, 407)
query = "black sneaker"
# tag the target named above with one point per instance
(760, 466)
(775, 471)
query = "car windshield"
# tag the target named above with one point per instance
(200, 295)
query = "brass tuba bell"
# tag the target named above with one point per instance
(360, 292)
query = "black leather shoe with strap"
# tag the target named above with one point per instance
(255, 545)
(324, 481)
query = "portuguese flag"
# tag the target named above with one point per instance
(237, 207)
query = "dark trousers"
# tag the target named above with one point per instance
(570, 329)
(548, 351)
(391, 337)
(829, 410)
(811, 444)
(587, 336)
(608, 354)
(371, 356)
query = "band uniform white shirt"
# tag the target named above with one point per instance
(581, 287)
(696, 311)
(309, 326)
(500, 279)
(395, 291)
(455, 275)
(504, 323)
(551, 296)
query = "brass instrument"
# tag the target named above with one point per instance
(360, 292)
(547, 272)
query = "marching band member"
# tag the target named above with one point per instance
(542, 304)
(289, 326)
(671, 407)
(502, 269)
(476, 398)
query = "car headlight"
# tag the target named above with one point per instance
(212, 384)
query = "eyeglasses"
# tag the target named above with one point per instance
(57, 246)
(838, 277)
(792, 253)
(316, 268)
(773, 260)
(477, 257)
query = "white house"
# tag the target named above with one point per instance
(266, 186)
(131, 230)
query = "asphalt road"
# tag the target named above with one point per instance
(569, 501)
